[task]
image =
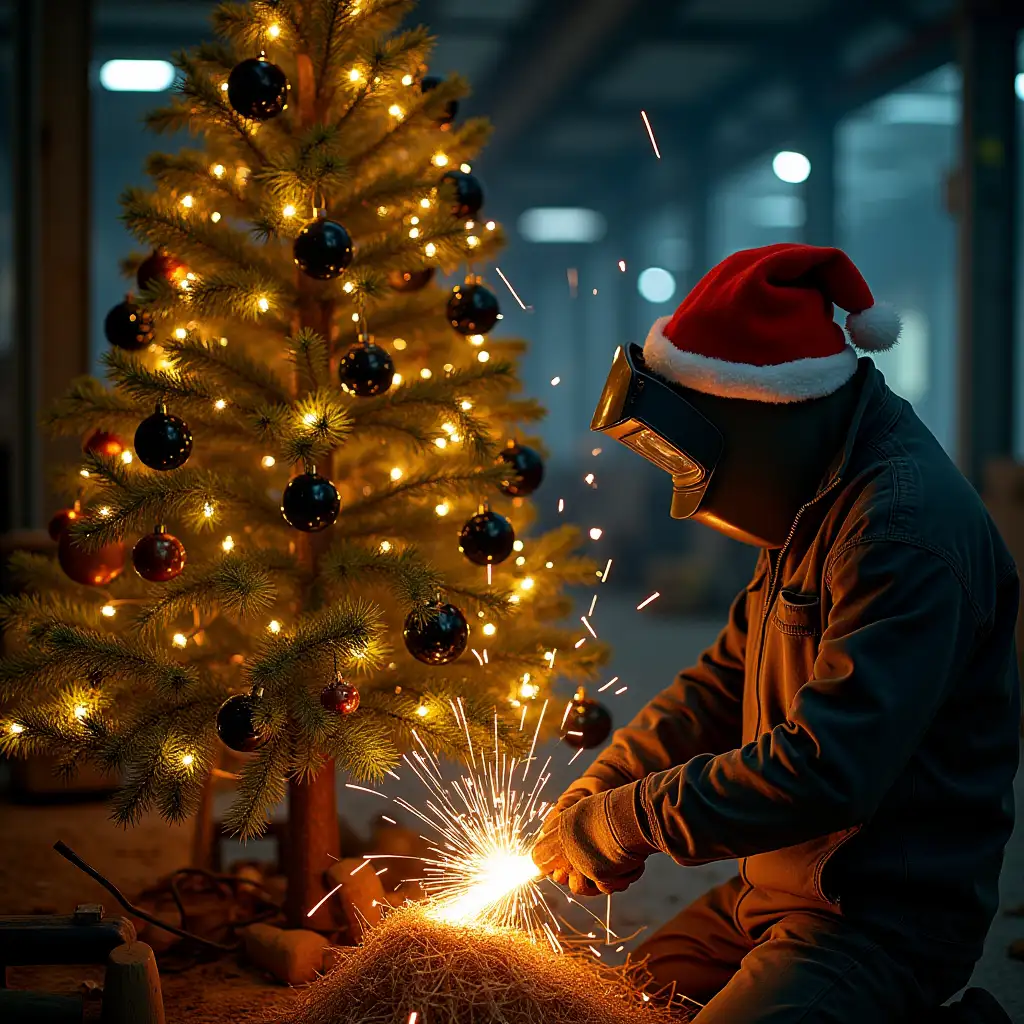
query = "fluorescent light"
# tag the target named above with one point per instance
(137, 75)
(1018, 85)
(656, 285)
(919, 108)
(790, 167)
(545, 224)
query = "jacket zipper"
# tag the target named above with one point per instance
(773, 578)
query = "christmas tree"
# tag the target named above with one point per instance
(300, 417)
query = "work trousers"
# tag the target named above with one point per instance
(750, 964)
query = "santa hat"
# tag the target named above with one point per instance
(759, 326)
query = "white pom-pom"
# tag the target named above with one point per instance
(874, 329)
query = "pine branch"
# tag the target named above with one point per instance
(351, 630)
(261, 786)
(412, 581)
(26, 613)
(310, 355)
(236, 584)
(320, 424)
(450, 483)
(87, 403)
(232, 367)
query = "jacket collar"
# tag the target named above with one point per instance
(877, 408)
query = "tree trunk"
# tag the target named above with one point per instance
(313, 840)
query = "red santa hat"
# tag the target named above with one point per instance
(759, 326)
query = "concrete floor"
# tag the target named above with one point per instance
(648, 651)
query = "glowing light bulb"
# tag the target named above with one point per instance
(425, 203)
(179, 640)
(274, 626)
(528, 689)
(396, 473)
(273, 31)
(465, 405)
(188, 202)
(208, 510)
(399, 344)
(439, 159)
(441, 442)
(414, 232)
(396, 380)
(414, 220)
(83, 472)
(309, 419)
(223, 342)
(396, 111)
(490, 225)
(465, 168)
(228, 543)
(348, 287)
(180, 333)
(288, 211)
(217, 170)
(517, 545)
(385, 546)
(215, 217)
(104, 511)
(526, 583)
(220, 404)
(595, 533)
(490, 629)
(520, 560)
(187, 760)
(448, 428)
(223, 86)
(472, 241)
(268, 461)
(425, 373)
(382, 211)
(422, 711)
(355, 75)
(430, 249)
(549, 565)
(476, 339)
(108, 610)
(483, 356)
(470, 224)
(126, 457)
(442, 509)
(407, 79)
(15, 728)
(263, 303)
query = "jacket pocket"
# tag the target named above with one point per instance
(798, 614)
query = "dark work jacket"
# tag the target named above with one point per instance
(852, 736)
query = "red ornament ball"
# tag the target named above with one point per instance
(159, 557)
(103, 442)
(90, 568)
(339, 697)
(60, 521)
(161, 267)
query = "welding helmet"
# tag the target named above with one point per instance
(655, 419)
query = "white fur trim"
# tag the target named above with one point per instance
(796, 381)
(874, 329)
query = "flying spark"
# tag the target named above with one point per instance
(621, 689)
(579, 643)
(561, 504)
(508, 285)
(607, 569)
(622, 265)
(611, 682)
(593, 605)
(583, 619)
(647, 600)
(650, 131)
(320, 903)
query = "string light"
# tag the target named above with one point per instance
(430, 249)
(442, 509)
(382, 211)
(520, 560)
(439, 159)
(179, 640)
(399, 344)
(355, 75)
(407, 79)
(15, 728)
(188, 202)
(223, 342)
(414, 232)
(274, 626)
(220, 404)
(490, 629)
(517, 545)
(396, 111)
(215, 216)
(385, 547)
(425, 202)
(309, 419)
(549, 565)
(472, 241)
(288, 211)
(273, 31)
(465, 168)
(396, 380)
(180, 333)
(422, 711)
(126, 457)
(465, 405)
(223, 86)
(483, 356)
(208, 510)
(476, 339)
(396, 473)
(187, 760)
(555, 381)
(441, 442)
(414, 220)
(217, 170)
(83, 472)
(263, 303)
(595, 532)
(268, 461)
(228, 543)
(108, 610)
(104, 511)
(425, 373)
(490, 225)
(526, 583)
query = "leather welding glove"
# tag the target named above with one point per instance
(595, 844)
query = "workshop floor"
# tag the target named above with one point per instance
(649, 651)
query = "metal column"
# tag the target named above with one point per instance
(987, 230)
(52, 182)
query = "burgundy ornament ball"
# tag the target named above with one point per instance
(90, 568)
(159, 556)
(339, 697)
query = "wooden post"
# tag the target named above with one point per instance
(131, 988)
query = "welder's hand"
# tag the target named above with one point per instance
(579, 846)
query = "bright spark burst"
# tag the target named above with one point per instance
(647, 600)
(650, 132)
(508, 285)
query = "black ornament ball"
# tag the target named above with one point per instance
(525, 470)
(410, 280)
(339, 697)
(436, 636)
(451, 108)
(236, 723)
(257, 89)
(587, 725)
(159, 557)
(487, 538)
(310, 503)
(163, 441)
(366, 370)
(473, 309)
(90, 568)
(469, 194)
(323, 249)
(129, 326)
(160, 266)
